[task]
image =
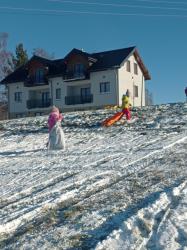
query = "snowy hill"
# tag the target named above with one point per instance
(122, 187)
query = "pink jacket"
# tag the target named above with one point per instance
(53, 118)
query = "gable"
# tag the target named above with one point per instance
(110, 59)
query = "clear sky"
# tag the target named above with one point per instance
(158, 29)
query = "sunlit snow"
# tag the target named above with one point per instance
(121, 187)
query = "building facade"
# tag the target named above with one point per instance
(79, 81)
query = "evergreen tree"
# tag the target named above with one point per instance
(21, 55)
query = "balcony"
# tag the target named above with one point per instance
(32, 81)
(33, 103)
(72, 76)
(74, 100)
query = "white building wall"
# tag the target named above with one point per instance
(68, 88)
(102, 99)
(17, 107)
(128, 79)
(99, 99)
(21, 107)
(56, 83)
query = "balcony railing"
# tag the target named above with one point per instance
(71, 75)
(32, 104)
(73, 100)
(32, 81)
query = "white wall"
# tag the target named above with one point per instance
(57, 83)
(101, 99)
(17, 107)
(21, 107)
(128, 79)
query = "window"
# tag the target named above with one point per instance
(45, 99)
(135, 68)
(18, 96)
(128, 66)
(85, 92)
(104, 87)
(135, 91)
(58, 93)
(78, 69)
(39, 75)
(85, 95)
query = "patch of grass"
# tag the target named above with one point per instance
(72, 212)
(77, 239)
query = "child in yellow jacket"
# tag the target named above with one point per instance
(126, 106)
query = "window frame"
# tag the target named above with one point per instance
(136, 91)
(58, 93)
(135, 68)
(18, 96)
(104, 87)
(128, 66)
(39, 75)
(79, 69)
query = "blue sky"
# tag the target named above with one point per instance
(158, 29)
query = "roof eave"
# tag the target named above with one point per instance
(142, 66)
(108, 68)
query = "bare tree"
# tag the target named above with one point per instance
(6, 57)
(148, 98)
(6, 62)
(42, 53)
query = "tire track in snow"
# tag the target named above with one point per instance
(32, 174)
(49, 183)
(20, 198)
(38, 215)
(138, 230)
(77, 195)
(103, 160)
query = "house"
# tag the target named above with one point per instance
(79, 81)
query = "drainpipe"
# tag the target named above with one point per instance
(51, 92)
(142, 91)
(8, 96)
(133, 90)
(117, 87)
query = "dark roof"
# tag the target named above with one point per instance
(110, 59)
(77, 51)
(101, 61)
(43, 60)
(58, 67)
(55, 67)
(18, 75)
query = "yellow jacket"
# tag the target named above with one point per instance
(125, 102)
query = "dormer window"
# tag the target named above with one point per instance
(39, 75)
(79, 69)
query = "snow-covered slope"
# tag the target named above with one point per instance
(122, 187)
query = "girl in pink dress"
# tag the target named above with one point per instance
(56, 134)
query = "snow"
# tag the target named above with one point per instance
(121, 187)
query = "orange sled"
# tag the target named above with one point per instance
(111, 120)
